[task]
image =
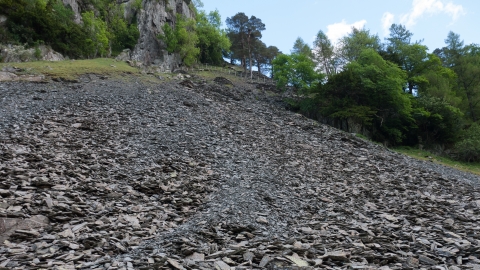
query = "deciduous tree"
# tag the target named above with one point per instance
(352, 45)
(300, 47)
(296, 70)
(467, 69)
(182, 40)
(97, 35)
(370, 91)
(324, 54)
(212, 40)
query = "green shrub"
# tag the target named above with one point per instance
(37, 53)
(182, 40)
(169, 37)
(137, 5)
(468, 147)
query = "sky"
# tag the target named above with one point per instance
(285, 20)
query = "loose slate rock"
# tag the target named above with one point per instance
(142, 176)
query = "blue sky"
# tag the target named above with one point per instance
(285, 20)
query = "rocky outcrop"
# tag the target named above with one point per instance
(13, 53)
(153, 15)
(74, 5)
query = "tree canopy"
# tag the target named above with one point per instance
(213, 41)
(243, 31)
(394, 92)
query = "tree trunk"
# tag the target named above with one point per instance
(258, 66)
(250, 61)
(471, 106)
(244, 58)
(250, 52)
(410, 88)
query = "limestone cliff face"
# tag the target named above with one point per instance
(150, 19)
(153, 15)
(74, 5)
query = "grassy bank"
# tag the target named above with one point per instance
(72, 69)
(428, 156)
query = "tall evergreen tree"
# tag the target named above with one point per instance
(243, 31)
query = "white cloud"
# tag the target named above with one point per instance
(387, 21)
(454, 10)
(338, 30)
(430, 7)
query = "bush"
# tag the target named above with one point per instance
(169, 37)
(437, 122)
(38, 53)
(182, 40)
(468, 147)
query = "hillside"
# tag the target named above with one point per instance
(187, 173)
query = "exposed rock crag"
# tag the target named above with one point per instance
(154, 14)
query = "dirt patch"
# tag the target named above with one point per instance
(223, 81)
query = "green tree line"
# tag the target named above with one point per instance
(394, 92)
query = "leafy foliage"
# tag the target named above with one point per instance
(182, 40)
(354, 43)
(467, 68)
(50, 22)
(263, 56)
(395, 92)
(212, 41)
(469, 146)
(187, 40)
(122, 34)
(436, 120)
(296, 70)
(300, 47)
(97, 35)
(169, 37)
(324, 54)
(243, 31)
(370, 91)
